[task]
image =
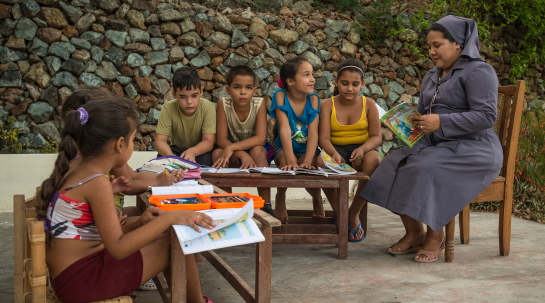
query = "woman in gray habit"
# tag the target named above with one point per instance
(460, 155)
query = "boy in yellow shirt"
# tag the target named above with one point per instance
(189, 119)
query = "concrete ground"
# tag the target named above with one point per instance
(312, 273)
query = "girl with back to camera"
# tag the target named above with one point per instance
(90, 256)
(350, 132)
(296, 107)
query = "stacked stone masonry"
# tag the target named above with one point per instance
(132, 47)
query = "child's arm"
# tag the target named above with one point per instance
(324, 131)
(162, 146)
(312, 142)
(121, 245)
(284, 133)
(375, 136)
(222, 136)
(206, 145)
(139, 182)
(164, 127)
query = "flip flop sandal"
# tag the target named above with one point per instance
(433, 255)
(150, 285)
(354, 233)
(207, 300)
(408, 247)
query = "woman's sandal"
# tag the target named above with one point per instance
(408, 247)
(433, 255)
(207, 299)
(150, 285)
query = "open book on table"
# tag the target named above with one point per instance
(398, 120)
(234, 226)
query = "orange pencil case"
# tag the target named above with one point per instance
(235, 200)
(157, 200)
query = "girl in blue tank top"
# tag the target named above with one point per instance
(297, 108)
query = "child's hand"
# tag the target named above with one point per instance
(188, 155)
(173, 177)
(357, 156)
(306, 165)
(177, 175)
(223, 160)
(122, 218)
(192, 219)
(337, 158)
(290, 166)
(120, 184)
(247, 162)
(149, 214)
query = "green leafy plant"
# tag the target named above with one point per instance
(339, 4)
(9, 137)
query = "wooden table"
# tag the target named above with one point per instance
(263, 268)
(302, 229)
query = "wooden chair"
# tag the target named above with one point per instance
(30, 270)
(510, 100)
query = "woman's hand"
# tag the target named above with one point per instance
(150, 214)
(427, 123)
(247, 161)
(192, 219)
(120, 184)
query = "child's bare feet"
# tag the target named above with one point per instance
(318, 207)
(280, 207)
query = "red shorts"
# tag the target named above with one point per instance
(98, 277)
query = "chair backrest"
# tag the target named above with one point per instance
(30, 270)
(510, 101)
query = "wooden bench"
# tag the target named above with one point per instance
(302, 229)
(30, 277)
(263, 276)
(510, 99)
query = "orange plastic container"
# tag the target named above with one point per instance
(213, 199)
(157, 201)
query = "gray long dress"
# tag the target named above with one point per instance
(451, 166)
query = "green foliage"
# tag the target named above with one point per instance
(512, 15)
(9, 137)
(376, 24)
(50, 147)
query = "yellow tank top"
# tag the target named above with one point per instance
(356, 133)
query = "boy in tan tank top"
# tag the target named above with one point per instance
(241, 127)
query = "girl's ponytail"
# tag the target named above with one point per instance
(67, 151)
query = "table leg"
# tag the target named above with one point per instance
(178, 291)
(140, 204)
(263, 267)
(342, 197)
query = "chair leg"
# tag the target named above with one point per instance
(449, 234)
(464, 225)
(506, 210)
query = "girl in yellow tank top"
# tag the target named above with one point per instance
(349, 131)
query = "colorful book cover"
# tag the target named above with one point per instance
(398, 119)
(341, 168)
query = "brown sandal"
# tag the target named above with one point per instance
(433, 255)
(408, 247)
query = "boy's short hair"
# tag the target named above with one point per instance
(239, 70)
(185, 78)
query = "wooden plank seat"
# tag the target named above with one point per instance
(510, 101)
(30, 278)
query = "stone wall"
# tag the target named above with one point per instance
(132, 47)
